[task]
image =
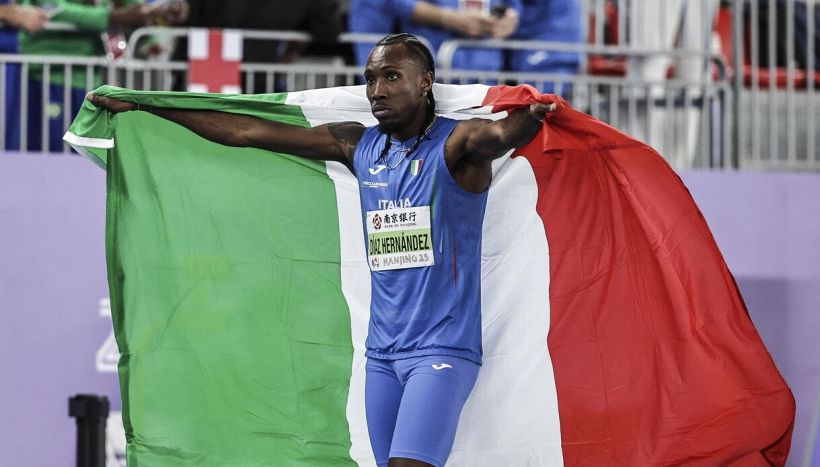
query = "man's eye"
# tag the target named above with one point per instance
(392, 76)
(368, 79)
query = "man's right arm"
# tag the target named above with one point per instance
(332, 142)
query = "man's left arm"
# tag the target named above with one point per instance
(474, 144)
(491, 140)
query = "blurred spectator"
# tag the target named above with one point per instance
(438, 21)
(667, 25)
(548, 20)
(89, 19)
(12, 18)
(504, 14)
(320, 18)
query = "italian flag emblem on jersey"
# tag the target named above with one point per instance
(415, 166)
(613, 332)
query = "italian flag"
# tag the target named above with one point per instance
(614, 334)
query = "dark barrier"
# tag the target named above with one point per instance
(91, 413)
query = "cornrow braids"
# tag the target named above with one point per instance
(420, 51)
(422, 55)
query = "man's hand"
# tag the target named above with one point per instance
(112, 105)
(28, 18)
(131, 16)
(171, 13)
(506, 25)
(539, 110)
(468, 23)
(138, 14)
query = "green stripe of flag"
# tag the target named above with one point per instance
(224, 273)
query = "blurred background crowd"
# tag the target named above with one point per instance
(691, 78)
(680, 75)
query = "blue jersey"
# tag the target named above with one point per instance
(427, 301)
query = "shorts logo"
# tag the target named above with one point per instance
(441, 366)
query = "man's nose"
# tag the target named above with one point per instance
(378, 90)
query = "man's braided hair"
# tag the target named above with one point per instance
(421, 55)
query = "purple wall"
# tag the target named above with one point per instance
(52, 276)
(768, 228)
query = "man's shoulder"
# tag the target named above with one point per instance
(369, 135)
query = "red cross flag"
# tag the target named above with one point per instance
(214, 56)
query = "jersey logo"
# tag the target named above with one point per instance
(415, 166)
(378, 169)
(441, 366)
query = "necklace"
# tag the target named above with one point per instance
(403, 150)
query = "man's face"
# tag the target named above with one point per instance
(396, 87)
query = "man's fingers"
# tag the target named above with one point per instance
(541, 107)
(110, 104)
(539, 110)
(99, 101)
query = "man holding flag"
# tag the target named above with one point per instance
(613, 332)
(423, 184)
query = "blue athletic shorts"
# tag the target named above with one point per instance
(413, 406)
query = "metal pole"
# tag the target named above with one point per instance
(737, 26)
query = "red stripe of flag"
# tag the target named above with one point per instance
(656, 359)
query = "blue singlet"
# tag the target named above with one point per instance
(427, 310)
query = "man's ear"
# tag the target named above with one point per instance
(426, 82)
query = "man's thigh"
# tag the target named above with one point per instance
(383, 392)
(435, 390)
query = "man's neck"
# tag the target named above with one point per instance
(415, 126)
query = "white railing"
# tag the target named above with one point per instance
(93, 68)
(776, 106)
(711, 113)
(774, 76)
(683, 117)
(629, 103)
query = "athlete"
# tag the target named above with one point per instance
(423, 183)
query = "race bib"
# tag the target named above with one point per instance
(399, 238)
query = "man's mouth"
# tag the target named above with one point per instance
(380, 111)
